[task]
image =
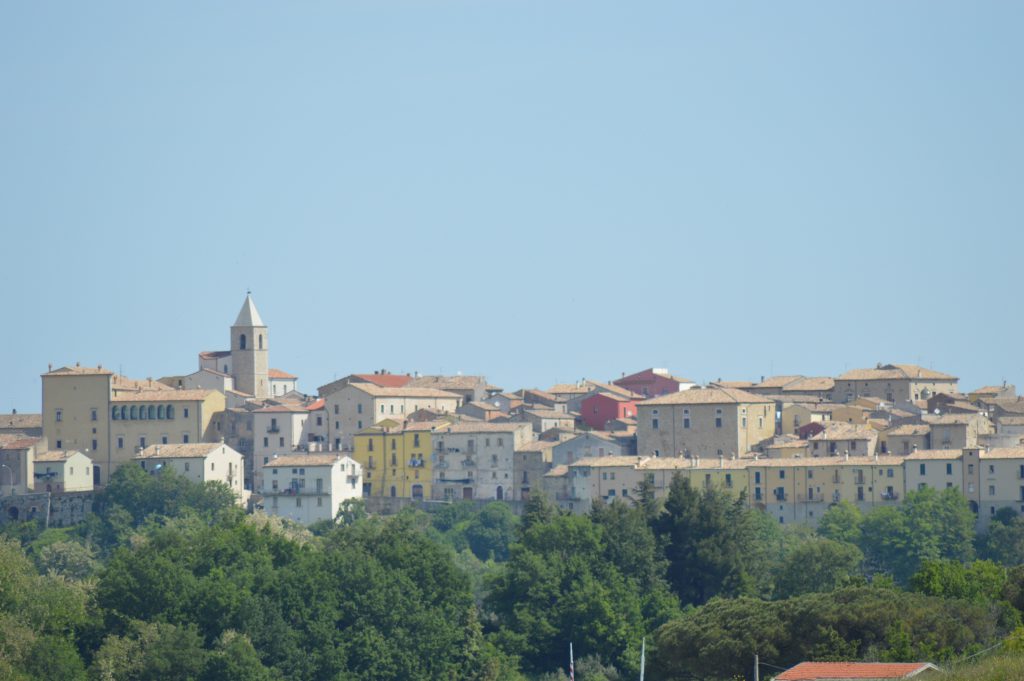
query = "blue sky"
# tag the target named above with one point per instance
(536, 191)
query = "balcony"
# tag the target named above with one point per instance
(273, 429)
(890, 496)
(858, 480)
(836, 479)
(468, 463)
(780, 496)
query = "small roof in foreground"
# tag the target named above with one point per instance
(192, 450)
(845, 671)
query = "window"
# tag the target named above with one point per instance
(319, 420)
(991, 490)
(359, 408)
(369, 445)
(170, 411)
(184, 438)
(92, 415)
(782, 474)
(970, 468)
(60, 445)
(810, 474)
(163, 439)
(298, 502)
(241, 342)
(991, 468)
(185, 412)
(949, 469)
(58, 415)
(888, 473)
(280, 442)
(142, 441)
(757, 477)
(921, 469)
(186, 466)
(319, 501)
(261, 341)
(416, 440)
(120, 443)
(501, 442)
(266, 442)
(654, 424)
(115, 413)
(160, 412)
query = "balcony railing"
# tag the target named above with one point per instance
(890, 496)
(273, 429)
(468, 463)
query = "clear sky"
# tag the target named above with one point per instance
(536, 191)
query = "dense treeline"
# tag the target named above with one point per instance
(168, 580)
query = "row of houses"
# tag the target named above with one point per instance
(801, 489)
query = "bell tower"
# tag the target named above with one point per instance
(250, 344)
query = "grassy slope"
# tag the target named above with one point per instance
(1002, 667)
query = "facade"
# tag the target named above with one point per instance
(586, 446)
(356, 406)
(905, 439)
(600, 408)
(250, 349)
(62, 470)
(543, 420)
(894, 383)
(199, 462)
(17, 457)
(654, 383)
(27, 425)
(475, 460)
(704, 422)
(281, 382)
(957, 431)
(396, 459)
(307, 488)
(106, 416)
(530, 463)
(470, 388)
(840, 439)
(277, 430)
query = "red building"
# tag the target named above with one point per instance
(654, 383)
(600, 408)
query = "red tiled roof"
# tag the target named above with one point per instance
(820, 671)
(277, 373)
(319, 404)
(214, 354)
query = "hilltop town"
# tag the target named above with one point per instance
(791, 446)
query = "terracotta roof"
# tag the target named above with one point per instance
(8, 421)
(673, 463)
(485, 406)
(17, 441)
(303, 460)
(1003, 453)
(870, 671)
(607, 462)
(990, 390)
(448, 382)
(163, 396)
(408, 391)
(57, 455)
(581, 388)
(214, 354)
(192, 450)
(820, 461)
(950, 419)
(837, 430)
(1010, 420)
(317, 404)
(482, 427)
(277, 373)
(536, 446)
(812, 383)
(549, 414)
(557, 472)
(732, 384)
(910, 429)
(777, 381)
(788, 444)
(941, 454)
(706, 396)
(79, 371)
(895, 372)
(122, 383)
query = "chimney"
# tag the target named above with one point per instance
(158, 450)
(846, 455)
(49, 367)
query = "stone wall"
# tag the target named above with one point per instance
(65, 509)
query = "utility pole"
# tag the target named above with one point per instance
(47, 510)
(757, 668)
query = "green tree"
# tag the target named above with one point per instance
(1004, 540)
(842, 522)
(817, 565)
(929, 525)
(154, 651)
(706, 535)
(490, 531)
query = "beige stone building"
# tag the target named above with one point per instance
(62, 470)
(936, 468)
(704, 422)
(798, 414)
(905, 439)
(306, 488)
(199, 462)
(476, 460)
(957, 431)
(894, 383)
(17, 457)
(356, 406)
(842, 439)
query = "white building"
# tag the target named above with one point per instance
(277, 431)
(198, 461)
(307, 488)
(63, 470)
(476, 459)
(361, 405)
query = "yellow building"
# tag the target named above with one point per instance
(395, 457)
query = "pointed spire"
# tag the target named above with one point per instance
(248, 316)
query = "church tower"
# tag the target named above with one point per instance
(249, 349)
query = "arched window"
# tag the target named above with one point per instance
(394, 492)
(170, 411)
(115, 412)
(394, 459)
(134, 412)
(261, 341)
(152, 412)
(124, 413)
(241, 342)
(160, 412)
(142, 412)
